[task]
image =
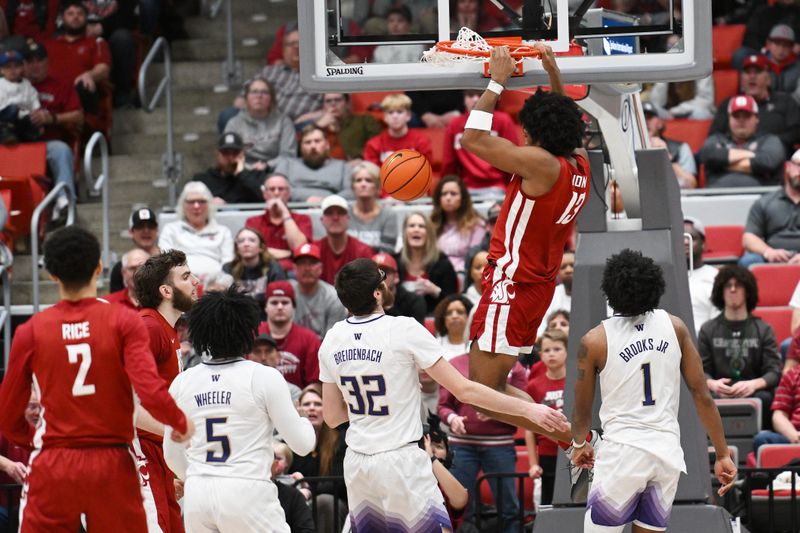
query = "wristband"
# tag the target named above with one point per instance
(576, 446)
(479, 120)
(495, 87)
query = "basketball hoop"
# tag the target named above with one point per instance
(469, 46)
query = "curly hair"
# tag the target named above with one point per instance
(154, 273)
(466, 216)
(553, 122)
(440, 313)
(224, 324)
(744, 277)
(633, 283)
(72, 254)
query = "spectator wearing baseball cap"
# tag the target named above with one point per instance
(298, 346)
(317, 306)
(265, 351)
(778, 112)
(337, 248)
(267, 133)
(229, 181)
(701, 278)
(143, 230)
(680, 154)
(771, 234)
(743, 157)
(784, 67)
(406, 303)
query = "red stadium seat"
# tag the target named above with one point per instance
(429, 323)
(777, 455)
(369, 103)
(780, 318)
(512, 102)
(20, 165)
(724, 42)
(726, 84)
(436, 135)
(776, 283)
(693, 132)
(723, 243)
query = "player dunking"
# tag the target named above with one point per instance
(549, 186)
(236, 403)
(639, 355)
(166, 289)
(372, 360)
(81, 356)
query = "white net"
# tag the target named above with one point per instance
(466, 40)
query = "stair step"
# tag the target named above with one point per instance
(244, 47)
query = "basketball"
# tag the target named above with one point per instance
(406, 175)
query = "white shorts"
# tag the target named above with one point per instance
(630, 485)
(232, 505)
(394, 491)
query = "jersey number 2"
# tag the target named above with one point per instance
(363, 394)
(83, 353)
(648, 387)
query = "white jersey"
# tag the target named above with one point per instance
(640, 385)
(374, 361)
(235, 405)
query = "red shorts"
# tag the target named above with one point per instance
(162, 484)
(64, 483)
(509, 313)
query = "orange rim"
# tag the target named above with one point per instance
(516, 48)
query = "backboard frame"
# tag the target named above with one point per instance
(693, 62)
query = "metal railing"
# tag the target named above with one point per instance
(6, 262)
(231, 69)
(100, 184)
(171, 162)
(37, 214)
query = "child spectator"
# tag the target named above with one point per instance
(397, 114)
(548, 389)
(18, 99)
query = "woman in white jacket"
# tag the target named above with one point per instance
(207, 244)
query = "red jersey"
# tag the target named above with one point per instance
(299, 351)
(26, 20)
(121, 297)
(83, 357)
(332, 263)
(529, 236)
(383, 145)
(166, 348)
(57, 96)
(549, 392)
(787, 396)
(476, 172)
(275, 234)
(70, 59)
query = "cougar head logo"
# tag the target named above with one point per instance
(502, 293)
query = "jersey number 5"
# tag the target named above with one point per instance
(366, 392)
(83, 353)
(212, 457)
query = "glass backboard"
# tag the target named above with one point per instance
(369, 45)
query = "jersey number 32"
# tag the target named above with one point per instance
(367, 392)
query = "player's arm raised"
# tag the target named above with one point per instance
(334, 408)
(692, 370)
(473, 393)
(536, 165)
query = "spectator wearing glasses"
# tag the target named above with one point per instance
(347, 132)
(267, 133)
(229, 181)
(207, 244)
(283, 230)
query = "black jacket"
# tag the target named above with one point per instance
(298, 513)
(408, 304)
(440, 272)
(242, 188)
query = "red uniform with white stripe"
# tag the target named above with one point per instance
(82, 357)
(524, 257)
(166, 348)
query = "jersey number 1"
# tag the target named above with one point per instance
(83, 353)
(648, 387)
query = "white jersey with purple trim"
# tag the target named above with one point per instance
(374, 360)
(640, 385)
